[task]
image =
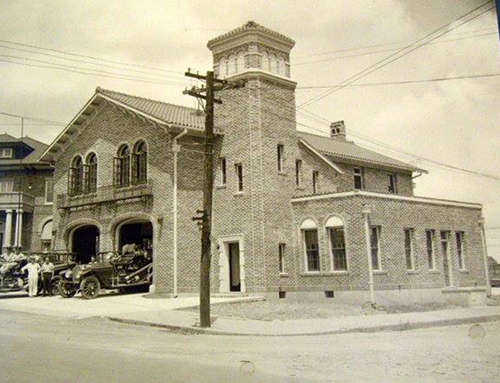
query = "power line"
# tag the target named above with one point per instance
(469, 16)
(436, 79)
(386, 50)
(32, 118)
(89, 57)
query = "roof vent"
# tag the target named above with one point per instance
(337, 130)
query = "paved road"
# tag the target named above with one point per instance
(49, 349)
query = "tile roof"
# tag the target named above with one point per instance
(34, 157)
(345, 150)
(178, 115)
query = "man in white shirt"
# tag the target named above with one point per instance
(47, 270)
(33, 269)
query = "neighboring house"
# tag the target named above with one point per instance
(26, 195)
(291, 210)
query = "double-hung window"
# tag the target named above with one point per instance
(239, 175)
(375, 247)
(409, 251)
(281, 257)
(337, 248)
(222, 172)
(312, 249)
(459, 235)
(392, 187)
(298, 173)
(358, 179)
(429, 239)
(315, 181)
(281, 157)
(49, 190)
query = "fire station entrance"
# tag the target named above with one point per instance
(139, 232)
(85, 243)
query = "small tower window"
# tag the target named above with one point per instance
(315, 181)
(281, 155)
(239, 176)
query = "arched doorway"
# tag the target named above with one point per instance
(138, 231)
(85, 243)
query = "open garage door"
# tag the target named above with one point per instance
(85, 243)
(138, 232)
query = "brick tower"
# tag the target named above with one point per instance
(260, 143)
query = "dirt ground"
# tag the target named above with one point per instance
(270, 310)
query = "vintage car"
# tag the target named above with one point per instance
(112, 271)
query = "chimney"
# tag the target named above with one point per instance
(337, 130)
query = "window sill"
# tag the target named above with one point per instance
(238, 194)
(434, 271)
(282, 174)
(465, 271)
(300, 187)
(379, 272)
(323, 273)
(411, 271)
(48, 203)
(220, 187)
(284, 275)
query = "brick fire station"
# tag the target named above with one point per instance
(292, 211)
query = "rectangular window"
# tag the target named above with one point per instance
(239, 176)
(281, 157)
(459, 235)
(337, 248)
(429, 238)
(375, 247)
(298, 173)
(223, 174)
(392, 187)
(315, 181)
(5, 152)
(410, 263)
(358, 178)
(6, 186)
(49, 190)
(281, 254)
(312, 249)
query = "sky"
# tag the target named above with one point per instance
(150, 43)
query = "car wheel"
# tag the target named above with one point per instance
(90, 287)
(54, 286)
(66, 290)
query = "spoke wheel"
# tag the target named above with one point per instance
(66, 290)
(54, 286)
(90, 287)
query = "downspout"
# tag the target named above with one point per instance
(485, 256)
(366, 215)
(175, 149)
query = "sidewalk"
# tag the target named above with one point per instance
(184, 321)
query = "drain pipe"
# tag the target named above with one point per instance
(485, 256)
(366, 215)
(176, 149)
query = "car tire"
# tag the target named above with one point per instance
(90, 287)
(66, 291)
(54, 286)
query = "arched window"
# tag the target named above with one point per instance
(336, 238)
(122, 167)
(311, 245)
(75, 177)
(91, 173)
(46, 236)
(140, 163)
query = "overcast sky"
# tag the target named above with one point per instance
(456, 122)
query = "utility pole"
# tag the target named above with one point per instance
(208, 181)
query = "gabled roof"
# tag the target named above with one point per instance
(349, 151)
(37, 149)
(169, 113)
(161, 113)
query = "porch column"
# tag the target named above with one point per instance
(485, 256)
(366, 214)
(8, 229)
(19, 228)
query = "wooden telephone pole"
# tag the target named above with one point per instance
(208, 182)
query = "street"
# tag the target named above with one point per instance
(51, 349)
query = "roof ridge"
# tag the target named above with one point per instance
(103, 90)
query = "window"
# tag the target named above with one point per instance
(358, 178)
(392, 187)
(375, 247)
(459, 235)
(46, 236)
(239, 176)
(75, 178)
(140, 163)
(298, 173)
(223, 172)
(335, 229)
(281, 255)
(315, 181)
(410, 264)
(91, 173)
(312, 249)
(281, 155)
(5, 152)
(6, 186)
(49, 190)
(430, 238)
(122, 167)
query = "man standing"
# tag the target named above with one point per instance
(33, 269)
(47, 270)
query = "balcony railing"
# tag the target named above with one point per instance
(16, 200)
(104, 194)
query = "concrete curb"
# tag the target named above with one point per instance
(191, 330)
